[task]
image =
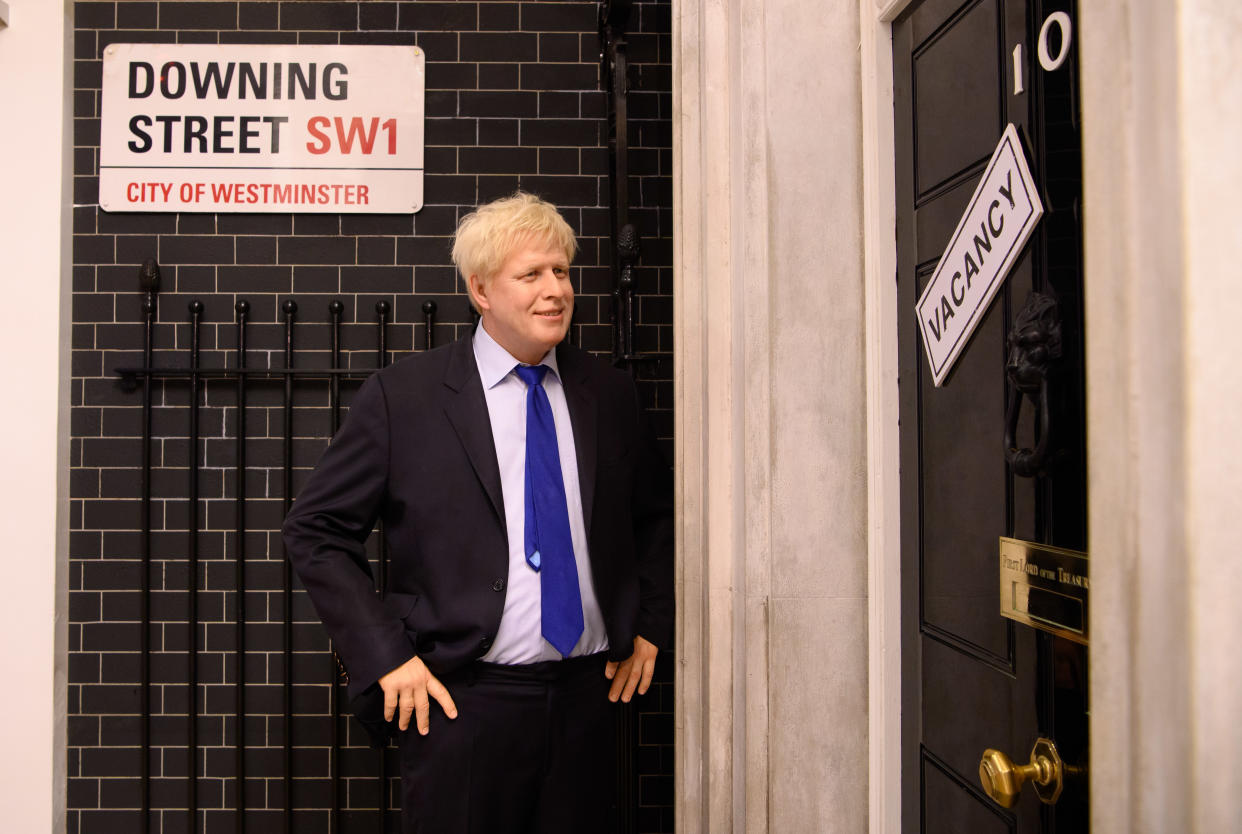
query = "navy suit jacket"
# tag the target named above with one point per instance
(416, 452)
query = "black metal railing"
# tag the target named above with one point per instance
(614, 17)
(243, 378)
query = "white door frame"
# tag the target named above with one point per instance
(883, 438)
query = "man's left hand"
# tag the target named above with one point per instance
(632, 673)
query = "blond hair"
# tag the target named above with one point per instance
(486, 236)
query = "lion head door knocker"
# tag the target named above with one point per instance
(1034, 343)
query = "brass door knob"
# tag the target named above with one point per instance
(1003, 780)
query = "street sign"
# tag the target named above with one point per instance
(246, 128)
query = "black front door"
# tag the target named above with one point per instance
(972, 679)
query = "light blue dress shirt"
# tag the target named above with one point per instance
(519, 639)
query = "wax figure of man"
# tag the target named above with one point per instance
(529, 529)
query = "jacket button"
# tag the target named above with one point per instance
(485, 643)
(498, 585)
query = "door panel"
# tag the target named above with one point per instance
(956, 83)
(928, 17)
(936, 218)
(972, 679)
(964, 503)
(971, 708)
(951, 806)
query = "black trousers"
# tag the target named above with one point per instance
(532, 751)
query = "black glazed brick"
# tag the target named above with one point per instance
(559, 76)
(559, 17)
(322, 15)
(316, 250)
(497, 160)
(196, 249)
(499, 76)
(199, 15)
(558, 46)
(94, 15)
(137, 15)
(448, 17)
(498, 103)
(498, 16)
(377, 15)
(512, 102)
(258, 16)
(507, 47)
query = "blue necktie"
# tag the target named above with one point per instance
(549, 546)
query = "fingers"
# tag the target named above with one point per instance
(647, 652)
(610, 669)
(390, 703)
(634, 673)
(629, 676)
(410, 706)
(621, 675)
(406, 695)
(632, 678)
(648, 673)
(430, 687)
(418, 705)
(437, 691)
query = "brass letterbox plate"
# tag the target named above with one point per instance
(1045, 587)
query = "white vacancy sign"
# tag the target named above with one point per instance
(205, 128)
(998, 221)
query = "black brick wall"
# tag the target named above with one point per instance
(512, 101)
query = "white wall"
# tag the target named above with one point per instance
(771, 418)
(1162, 110)
(35, 155)
(1209, 32)
(817, 453)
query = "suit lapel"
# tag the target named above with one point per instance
(584, 416)
(466, 409)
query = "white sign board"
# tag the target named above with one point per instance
(987, 242)
(216, 128)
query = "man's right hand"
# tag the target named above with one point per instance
(408, 687)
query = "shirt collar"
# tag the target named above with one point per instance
(495, 363)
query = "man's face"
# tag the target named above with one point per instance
(527, 304)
